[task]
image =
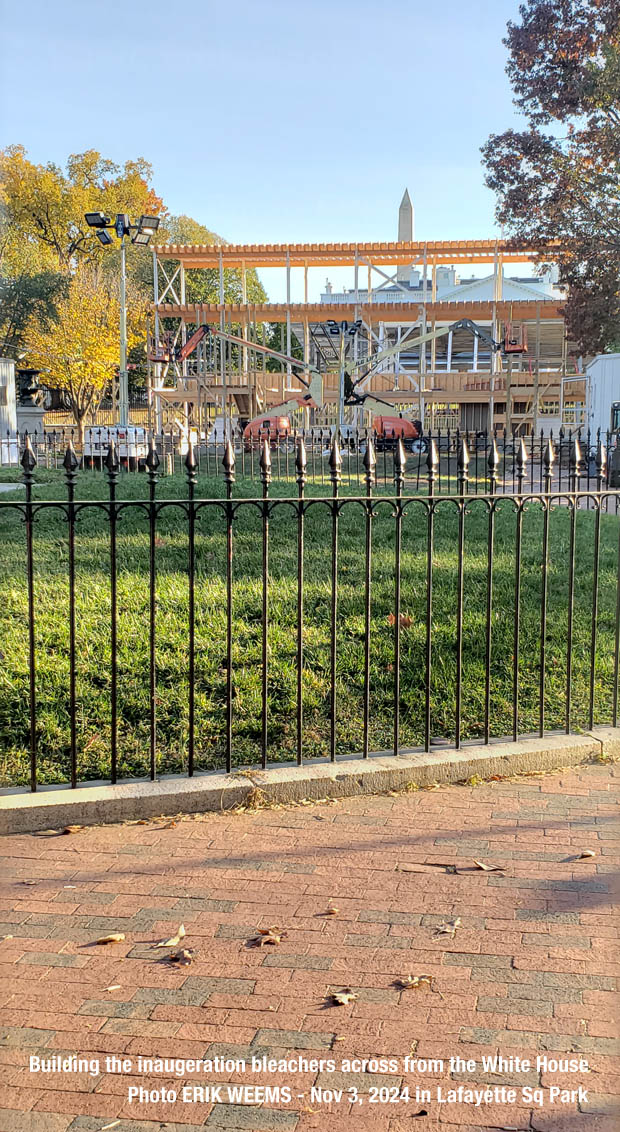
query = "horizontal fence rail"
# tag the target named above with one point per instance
(153, 633)
(172, 445)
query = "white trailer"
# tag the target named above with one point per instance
(603, 394)
(131, 444)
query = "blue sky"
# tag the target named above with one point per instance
(275, 120)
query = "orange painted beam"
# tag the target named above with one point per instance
(375, 312)
(332, 255)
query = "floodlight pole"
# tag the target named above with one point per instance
(123, 384)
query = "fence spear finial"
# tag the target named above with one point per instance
(29, 459)
(228, 462)
(335, 460)
(264, 462)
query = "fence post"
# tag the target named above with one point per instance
(29, 463)
(112, 467)
(370, 466)
(152, 464)
(191, 473)
(400, 461)
(601, 471)
(432, 463)
(300, 467)
(335, 469)
(521, 466)
(493, 465)
(70, 464)
(265, 475)
(462, 471)
(228, 463)
(548, 462)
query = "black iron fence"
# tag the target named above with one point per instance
(172, 445)
(307, 625)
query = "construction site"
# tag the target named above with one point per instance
(461, 334)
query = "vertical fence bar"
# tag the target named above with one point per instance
(229, 476)
(400, 461)
(191, 473)
(370, 466)
(462, 475)
(265, 475)
(152, 463)
(28, 463)
(548, 461)
(616, 645)
(300, 465)
(335, 466)
(493, 464)
(521, 468)
(432, 463)
(601, 472)
(574, 466)
(112, 466)
(70, 464)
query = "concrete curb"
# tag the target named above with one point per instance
(53, 807)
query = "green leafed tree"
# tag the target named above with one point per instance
(557, 180)
(202, 285)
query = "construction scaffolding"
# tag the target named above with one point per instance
(444, 376)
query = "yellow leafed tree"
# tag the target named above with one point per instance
(81, 348)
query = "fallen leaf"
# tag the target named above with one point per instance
(448, 928)
(117, 938)
(266, 936)
(422, 1112)
(586, 853)
(114, 1124)
(117, 986)
(332, 911)
(488, 868)
(27, 882)
(69, 886)
(405, 620)
(339, 1038)
(415, 981)
(73, 829)
(183, 957)
(343, 998)
(172, 942)
(7, 937)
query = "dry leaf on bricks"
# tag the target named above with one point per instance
(73, 829)
(343, 997)
(182, 957)
(172, 942)
(116, 938)
(488, 868)
(447, 928)
(265, 936)
(413, 982)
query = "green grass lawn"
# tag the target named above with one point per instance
(93, 620)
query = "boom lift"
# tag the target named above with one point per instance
(354, 373)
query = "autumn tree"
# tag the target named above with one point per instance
(558, 178)
(80, 347)
(44, 206)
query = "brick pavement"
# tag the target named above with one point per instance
(529, 973)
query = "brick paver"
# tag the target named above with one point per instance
(529, 973)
